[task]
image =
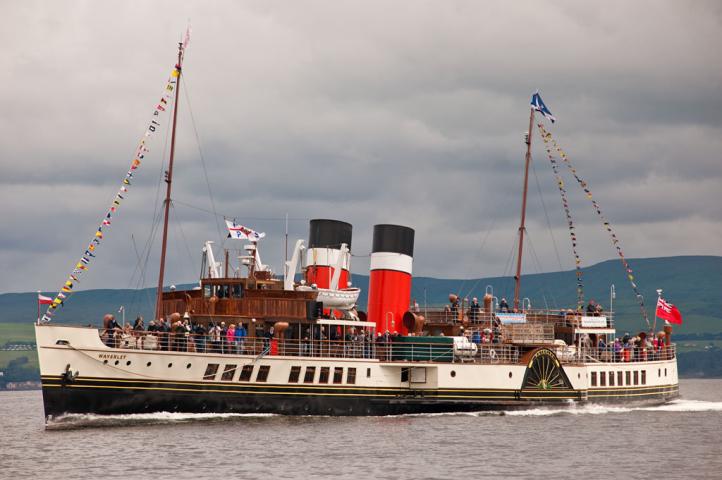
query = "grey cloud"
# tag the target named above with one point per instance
(412, 113)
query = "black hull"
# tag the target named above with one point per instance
(105, 398)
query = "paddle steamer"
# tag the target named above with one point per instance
(310, 351)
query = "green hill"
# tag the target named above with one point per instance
(693, 283)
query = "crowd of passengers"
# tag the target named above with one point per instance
(185, 335)
(639, 348)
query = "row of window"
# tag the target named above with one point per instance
(229, 372)
(324, 375)
(622, 378)
(631, 377)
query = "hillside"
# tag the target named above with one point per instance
(693, 283)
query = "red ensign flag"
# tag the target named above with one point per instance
(668, 312)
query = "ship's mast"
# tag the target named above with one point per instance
(517, 277)
(168, 181)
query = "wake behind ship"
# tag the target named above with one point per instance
(246, 340)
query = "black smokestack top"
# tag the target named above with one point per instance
(329, 234)
(393, 238)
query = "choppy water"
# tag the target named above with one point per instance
(682, 439)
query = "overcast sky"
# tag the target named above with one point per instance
(368, 112)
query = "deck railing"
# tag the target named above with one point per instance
(446, 315)
(401, 351)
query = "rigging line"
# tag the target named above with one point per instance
(547, 137)
(535, 257)
(154, 223)
(142, 273)
(508, 267)
(570, 221)
(183, 235)
(189, 205)
(481, 247)
(202, 158)
(477, 256)
(546, 215)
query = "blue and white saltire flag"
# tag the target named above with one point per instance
(538, 104)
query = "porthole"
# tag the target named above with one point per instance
(127, 364)
(117, 362)
(453, 373)
(188, 366)
(509, 374)
(147, 364)
(659, 372)
(665, 372)
(170, 365)
(579, 375)
(105, 362)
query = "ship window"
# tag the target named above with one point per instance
(620, 378)
(207, 291)
(310, 373)
(211, 371)
(594, 379)
(453, 373)
(228, 373)
(105, 362)
(602, 379)
(404, 374)
(659, 372)
(636, 377)
(665, 372)
(237, 291)
(351, 376)
(246, 373)
(338, 375)
(611, 379)
(118, 361)
(127, 363)
(263, 373)
(629, 378)
(368, 373)
(323, 376)
(295, 373)
(644, 377)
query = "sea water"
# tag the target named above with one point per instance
(682, 439)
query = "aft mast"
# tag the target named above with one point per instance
(517, 277)
(168, 180)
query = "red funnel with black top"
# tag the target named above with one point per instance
(390, 277)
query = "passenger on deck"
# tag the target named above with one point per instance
(138, 326)
(111, 330)
(267, 337)
(474, 310)
(476, 337)
(503, 306)
(231, 339)
(617, 350)
(224, 341)
(200, 334)
(454, 308)
(241, 335)
(214, 333)
(591, 308)
(164, 333)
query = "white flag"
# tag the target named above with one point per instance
(239, 232)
